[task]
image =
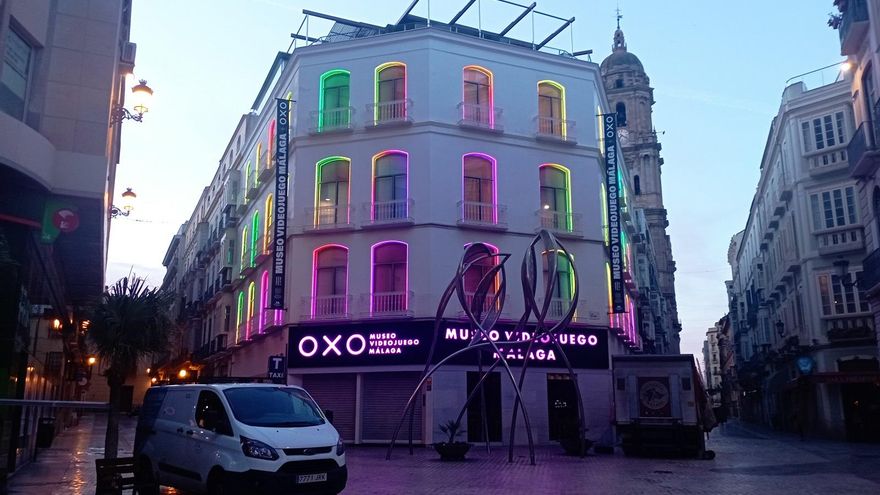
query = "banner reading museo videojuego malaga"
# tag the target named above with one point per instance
(280, 220)
(612, 188)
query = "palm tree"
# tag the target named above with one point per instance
(131, 322)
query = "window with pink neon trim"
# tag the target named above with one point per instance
(331, 272)
(476, 272)
(389, 187)
(478, 189)
(550, 109)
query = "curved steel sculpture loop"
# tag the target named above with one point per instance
(483, 312)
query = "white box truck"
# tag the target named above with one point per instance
(660, 406)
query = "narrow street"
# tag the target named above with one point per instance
(749, 460)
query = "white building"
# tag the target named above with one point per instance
(408, 143)
(801, 313)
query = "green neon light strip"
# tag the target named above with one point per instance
(324, 77)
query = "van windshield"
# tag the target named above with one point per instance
(273, 407)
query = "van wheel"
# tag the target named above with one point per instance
(145, 479)
(215, 483)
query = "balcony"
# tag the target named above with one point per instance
(385, 213)
(553, 129)
(850, 329)
(487, 303)
(841, 240)
(226, 279)
(862, 151)
(561, 223)
(481, 117)
(871, 272)
(333, 307)
(265, 171)
(387, 113)
(389, 303)
(331, 120)
(262, 251)
(482, 215)
(329, 218)
(853, 26)
(272, 318)
(827, 160)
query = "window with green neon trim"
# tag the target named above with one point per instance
(334, 111)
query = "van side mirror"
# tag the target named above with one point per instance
(329, 414)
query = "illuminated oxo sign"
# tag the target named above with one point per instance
(407, 343)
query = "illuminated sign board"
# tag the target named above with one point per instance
(615, 246)
(280, 213)
(408, 343)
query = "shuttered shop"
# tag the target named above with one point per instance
(336, 392)
(384, 397)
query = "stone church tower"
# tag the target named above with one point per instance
(630, 94)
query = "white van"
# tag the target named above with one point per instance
(234, 438)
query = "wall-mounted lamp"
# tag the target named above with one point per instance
(128, 198)
(780, 328)
(141, 94)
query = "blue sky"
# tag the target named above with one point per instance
(718, 69)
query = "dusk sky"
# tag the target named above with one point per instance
(718, 69)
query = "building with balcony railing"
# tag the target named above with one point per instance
(798, 275)
(382, 202)
(860, 40)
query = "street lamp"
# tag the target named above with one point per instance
(780, 328)
(845, 279)
(128, 198)
(140, 95)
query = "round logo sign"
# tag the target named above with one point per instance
(65, 220)
(654, 395)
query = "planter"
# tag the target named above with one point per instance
(452, 451)
(572, 447)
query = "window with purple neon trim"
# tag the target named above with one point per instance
(389, 281)
(475, 273)
(390, 186)
(264, 298)
(478, 189)
(330, 281)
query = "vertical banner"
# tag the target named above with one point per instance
(280, 251)
(615, 248)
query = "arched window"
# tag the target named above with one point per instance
(637, 185)
(267, 232)
(389, 280)
(390, 92)
(551, 109)
(390, 186)
(255, 237)
(334, 110)
(478, 188)
(477, 97)
(561, 285)
(251, 309)
(555, 199)
(620, 109)
(270, 157)
(239, 316)
(332, 192)
(264, 299)
(330, 281)
(247, 180)
(245, 245)
(483, 259)
(258, 159)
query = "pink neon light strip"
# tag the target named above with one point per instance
(373, 182)
(494, 163)
(315, 276)
(373, 271)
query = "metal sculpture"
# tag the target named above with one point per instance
(484, 307)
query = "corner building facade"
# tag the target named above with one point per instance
(400, 155)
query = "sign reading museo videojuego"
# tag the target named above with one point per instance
(408, 343)
(615, 247)
(280, 220)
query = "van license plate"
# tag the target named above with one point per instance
(311, 478)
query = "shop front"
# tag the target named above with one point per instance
(366, 372)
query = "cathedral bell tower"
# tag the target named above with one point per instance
(631, 96)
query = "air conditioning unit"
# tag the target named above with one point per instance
(129, 50)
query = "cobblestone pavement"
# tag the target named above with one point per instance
(749, 460)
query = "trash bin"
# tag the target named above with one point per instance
(45, 432)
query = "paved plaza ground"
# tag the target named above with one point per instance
(749, 460)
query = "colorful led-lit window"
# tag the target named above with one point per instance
(479, 193)
(239, 316)
(334, 111)
(330, 281)
(258, 159)
(551, 109)
(555, 210)
(270, 156)
(245, 244)
(390, 92)
(255, 237)
(251, 308)
(389, 282)
(267, 232)
(482, 260)
(390, 199)
(478, 105)
(332, 191)
(561, 284)
(264, 298)
(247, 180)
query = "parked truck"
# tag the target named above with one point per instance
(660, 406)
